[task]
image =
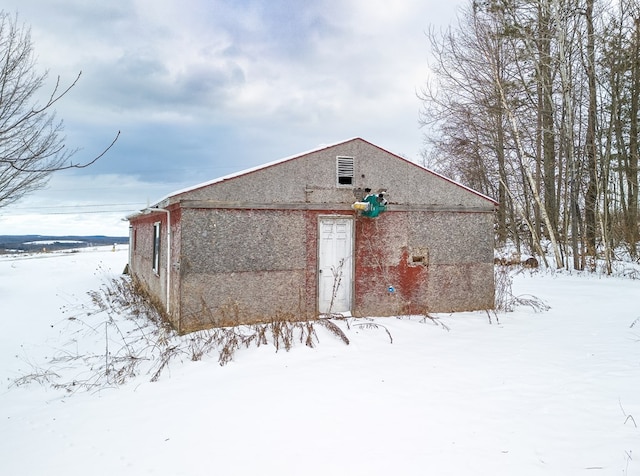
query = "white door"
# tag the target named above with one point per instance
(335, 264)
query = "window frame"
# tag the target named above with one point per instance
(157, 231)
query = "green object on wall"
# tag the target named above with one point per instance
(377, 205)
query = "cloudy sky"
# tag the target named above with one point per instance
(204, 88)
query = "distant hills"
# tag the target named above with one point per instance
(35, 243)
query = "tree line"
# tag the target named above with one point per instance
(536, 103)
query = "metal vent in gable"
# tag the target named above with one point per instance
(345, 171)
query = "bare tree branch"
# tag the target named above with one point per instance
(32, 144)
(70, 165)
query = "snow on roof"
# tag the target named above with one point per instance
(249, 170)
(295, 156)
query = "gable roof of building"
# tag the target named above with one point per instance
(158, 204)
(249, 170)
(299, 155)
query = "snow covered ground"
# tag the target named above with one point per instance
(540, 393)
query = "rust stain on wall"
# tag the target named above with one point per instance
(386, 281)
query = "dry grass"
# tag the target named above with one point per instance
(505, 300)
(120, 335)
(129, 337)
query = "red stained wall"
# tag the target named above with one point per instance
(380, 261)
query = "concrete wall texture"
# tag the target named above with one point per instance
(245, 249)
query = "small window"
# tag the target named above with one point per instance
(156, 247)
(345, 171)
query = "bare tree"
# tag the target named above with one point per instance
(32, 145)
(464, 114)
(591, 195)
(634, 147)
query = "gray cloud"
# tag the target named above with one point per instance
(203, 88)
